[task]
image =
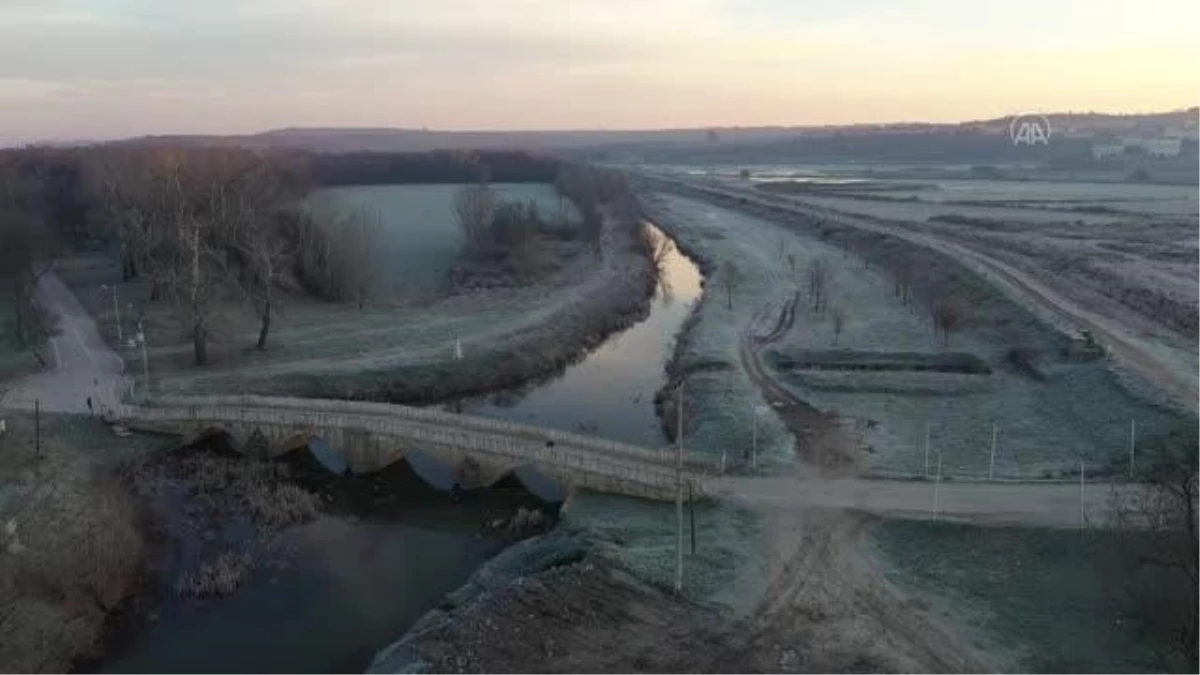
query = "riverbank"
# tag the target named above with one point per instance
(559, 603)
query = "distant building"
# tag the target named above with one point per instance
(1104, 149)
(1161, 146)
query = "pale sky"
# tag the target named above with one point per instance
(75, 69)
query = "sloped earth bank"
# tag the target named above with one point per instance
(563, 603)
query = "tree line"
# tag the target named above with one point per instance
(205, 225)
(511, 232)
(199, 225)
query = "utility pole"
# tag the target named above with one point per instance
(1081, 509)
(754, 441)
(37, 426)
(1132, 444)
(937, 488)
(692, 515)
(679, 490)
(141, 338)
(758, 410)
(992, 463)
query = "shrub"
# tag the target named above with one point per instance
(218, 577)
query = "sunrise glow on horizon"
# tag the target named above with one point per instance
(82, 70)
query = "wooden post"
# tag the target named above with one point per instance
(992, 462)
(679, 491)
(927, 450)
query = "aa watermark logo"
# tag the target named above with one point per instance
(1029, 129)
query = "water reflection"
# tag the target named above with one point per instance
(611, 392)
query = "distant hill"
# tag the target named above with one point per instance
(417, 140)
(972, 140)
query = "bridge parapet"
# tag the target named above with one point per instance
(593, 462)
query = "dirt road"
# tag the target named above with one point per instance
(84, 366)
(1062, 505)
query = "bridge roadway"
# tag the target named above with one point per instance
(373, 435)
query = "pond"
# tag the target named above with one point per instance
(420, 234)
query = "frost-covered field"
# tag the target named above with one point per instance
(1040, 595)
(1079, 412)
(924, 210)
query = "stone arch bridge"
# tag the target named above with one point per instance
(371, 436)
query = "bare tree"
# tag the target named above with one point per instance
(1154, 558)
(731, 277)
(838, 320)
(268, 256)
(946, 312)
(475, 208)
(356, 248)
(791, 261)
(818, 284)
(661, 251)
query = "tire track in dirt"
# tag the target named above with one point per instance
(828, 608)
(820, 442)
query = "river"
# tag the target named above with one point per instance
(355, 581)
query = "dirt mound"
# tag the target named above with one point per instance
(846, 359)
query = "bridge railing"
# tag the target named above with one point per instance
(483, 424)
(638, 468)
